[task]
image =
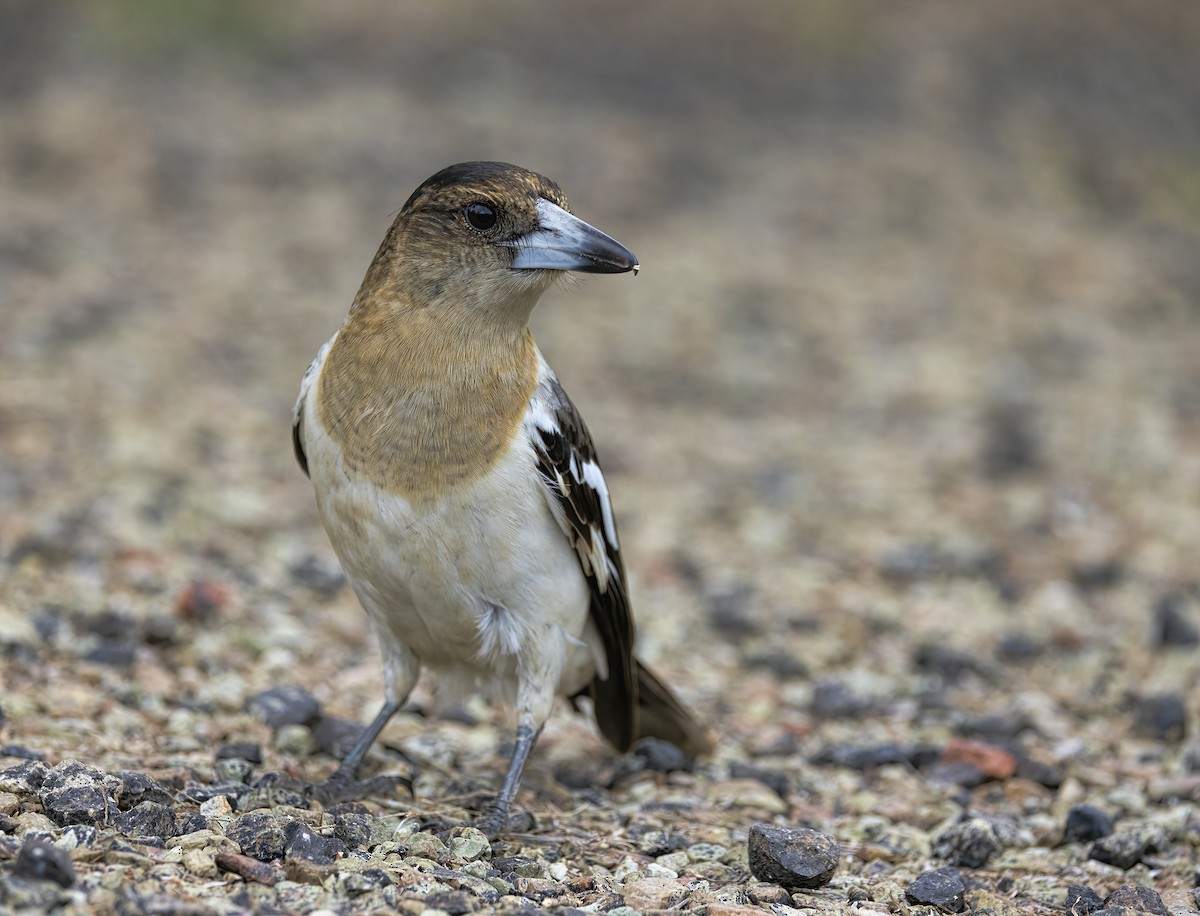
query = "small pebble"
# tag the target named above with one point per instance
(1161, 716)
(1123, 850)
(941, 887)
(295, 739)
(114, 653)
(217, 806)
(136, 788)
(469, 844)
(659, 756)
(1172, 629)
(250, 751)
(968, 844)
(428, 846)
(201, 601)
(1087, 823)
(148, 819)
(233, 769)
(302, 842)
(992, 761)
(43, 861)
(259, 836)
(24, 778)
(706, 852)
(792, 857)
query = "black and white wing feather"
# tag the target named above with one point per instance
(579, 501)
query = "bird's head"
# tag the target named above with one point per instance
(487, 238)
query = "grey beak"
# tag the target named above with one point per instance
(565, 242)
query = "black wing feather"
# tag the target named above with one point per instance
(564, 449)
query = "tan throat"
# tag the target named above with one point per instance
(418, 408)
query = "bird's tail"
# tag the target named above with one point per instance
(661, 715)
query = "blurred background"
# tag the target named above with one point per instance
(914, 357)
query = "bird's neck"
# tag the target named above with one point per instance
(420, 404)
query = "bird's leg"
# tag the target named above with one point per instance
(348, 769)
(344, 784)
(495, 818)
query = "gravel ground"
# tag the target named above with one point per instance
(901, 417)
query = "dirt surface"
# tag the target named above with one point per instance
(901, 418)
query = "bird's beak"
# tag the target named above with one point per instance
(565, 242)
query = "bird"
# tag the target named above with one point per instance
(458, 483)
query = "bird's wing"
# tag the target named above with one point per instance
(306, 383)
(579, 501)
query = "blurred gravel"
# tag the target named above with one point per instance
(901, 419)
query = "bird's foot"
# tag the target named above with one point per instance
(496, 821)
(345, 786)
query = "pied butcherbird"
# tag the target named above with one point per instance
(457, 482)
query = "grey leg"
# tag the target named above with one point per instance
(348, 770)
(495, 819)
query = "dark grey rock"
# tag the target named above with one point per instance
(969, 843)
(1050, 775)
(941, 887)
(24, 778)
(115, 653)
(956, 773)
(786, 666)
(302, 842)
(335, 736)
(352, 827)
(1018, 649)
(1124, 849)
(74, 793)
(948, 662)
(1171, 628)
(455, 903)
(776, 780)
(136, 788)
(660, 756)
(1081, 900)
(792, 857)
(19, 750)
(190, 823)
(729, 613)
(259, 836)
(281, 706)
(240, 750)
(1137, 899)
(43, 861)
(862, 756)
(1162, 716)
(1087, 823)
(355, 884)
(148, 819)
(29, 895)
(275, 788)
(834, 700)
(1012, 439)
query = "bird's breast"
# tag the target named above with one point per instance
(419, 415)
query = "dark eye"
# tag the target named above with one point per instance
(480, 216)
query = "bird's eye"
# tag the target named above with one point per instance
(480, 216)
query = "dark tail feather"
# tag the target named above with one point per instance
(661, 715)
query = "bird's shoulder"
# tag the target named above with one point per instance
(306, 384)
